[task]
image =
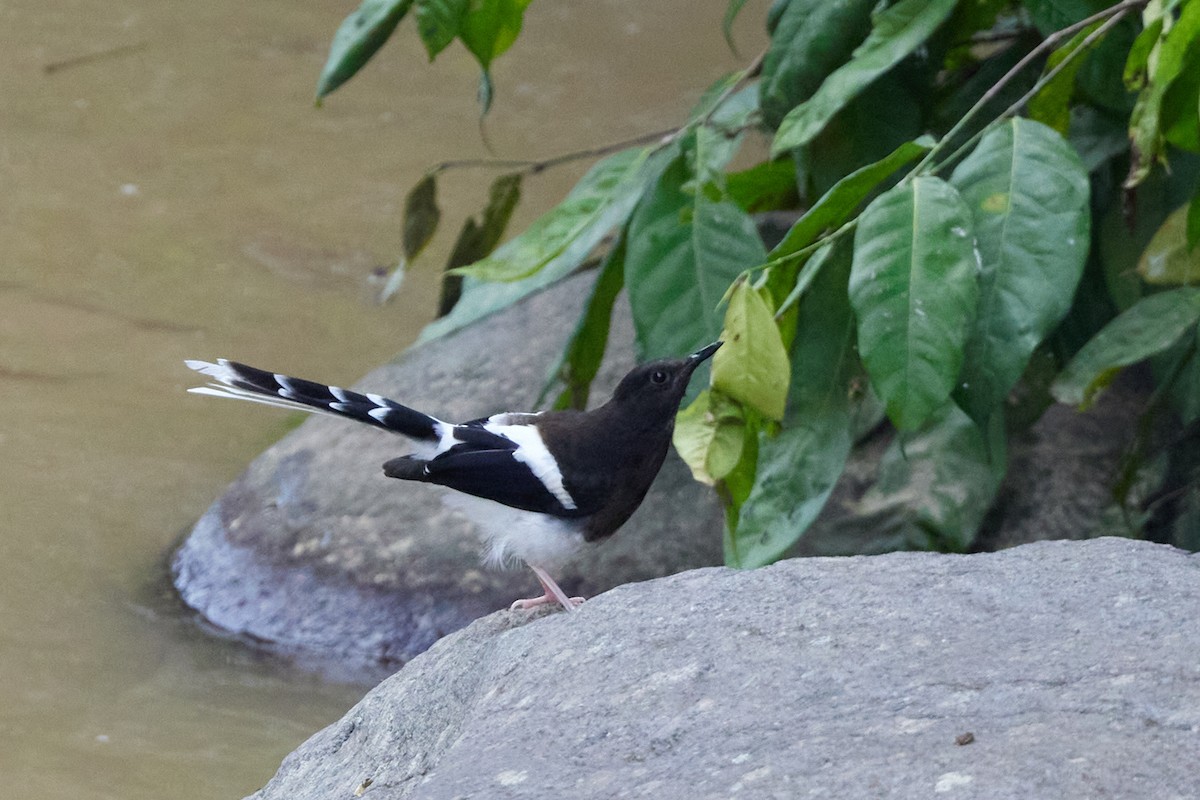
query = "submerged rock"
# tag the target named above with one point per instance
(1057, 669)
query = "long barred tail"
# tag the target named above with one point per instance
(240, 382)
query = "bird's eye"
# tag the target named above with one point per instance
(658, 376)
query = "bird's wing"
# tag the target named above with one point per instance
(497, 475)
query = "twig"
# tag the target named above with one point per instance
(532, 167)
(752, 71)
(1049, 43)
(1037, 87)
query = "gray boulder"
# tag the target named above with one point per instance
(1051, 670)
(313, 552)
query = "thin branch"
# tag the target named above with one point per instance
(1087, 42)
(1047, 44)
(752, 71)
(532, 167)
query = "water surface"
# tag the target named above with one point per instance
(167, 190)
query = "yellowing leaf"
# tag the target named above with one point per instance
(709, 436)
(752, 367)
(1167, 261)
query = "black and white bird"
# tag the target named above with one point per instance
(568, 477)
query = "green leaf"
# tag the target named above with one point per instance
(810, 40)
(897, 31)
(1145, 132)
(709, 436)
(1147, 328)
(798, 468)
(1181, 104)
(1193, 222)
(1185, 389)
(1096, 136)
(601, 201)
(491, 26)
(842, 200)
(830, 211)
(1137, 70)
(1052, 104)
(580, 362)
(357, 39)
(439, 22)
(1052, 15)
(752, 367)
(935, 487)
(1028, 196)
(1167, 261)
(914, 289)
(687, 244)
(767, 186)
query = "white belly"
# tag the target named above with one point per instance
(510, 534)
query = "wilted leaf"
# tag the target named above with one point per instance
(359, 36)
(914, 289)
(897, 31)
(752, 367)
(1028, 197)
(421, 216)
(1147, 328)
(477, 239)
(1167, 261)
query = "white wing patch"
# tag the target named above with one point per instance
(532, 452)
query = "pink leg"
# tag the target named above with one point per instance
(553, 593)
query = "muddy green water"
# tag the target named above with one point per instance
(167, 190)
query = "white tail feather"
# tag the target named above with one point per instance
(233, 393)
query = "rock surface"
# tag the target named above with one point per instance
(312, 551)
(1071, 664)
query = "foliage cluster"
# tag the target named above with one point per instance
(998, 195)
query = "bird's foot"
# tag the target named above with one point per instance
(547, 599)
(552, 593)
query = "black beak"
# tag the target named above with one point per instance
(705, 352)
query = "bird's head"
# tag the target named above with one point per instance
(654, 390)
